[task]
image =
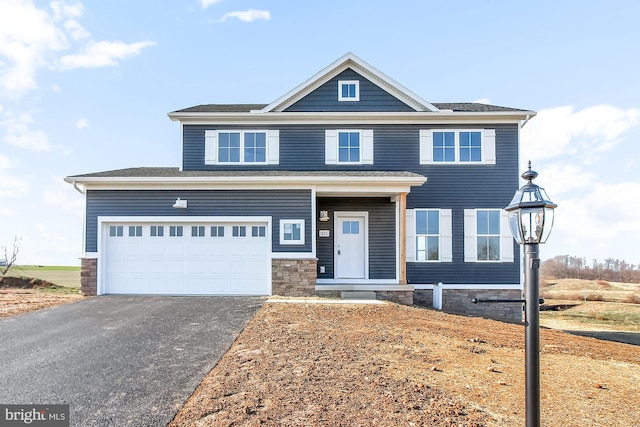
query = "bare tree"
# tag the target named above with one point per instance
(10, 257)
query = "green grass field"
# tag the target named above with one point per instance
(60, 275)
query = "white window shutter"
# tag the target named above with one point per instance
(506, 238)
(210, 147)
(367, 147)
(426, 147)
(330, 146)
(273, 150)
(411, 235)
(489, 139)
(470, 242)
(446, 235)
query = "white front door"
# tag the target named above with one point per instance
(350, 245)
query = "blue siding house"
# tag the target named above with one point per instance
(348, 185)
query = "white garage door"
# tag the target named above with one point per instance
(186, 258)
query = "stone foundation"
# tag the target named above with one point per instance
(423, 297)
(459, 301)
(294, 277)
(400, 297)
(89, 276)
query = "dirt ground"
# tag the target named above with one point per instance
(16, 301)
(346, 364)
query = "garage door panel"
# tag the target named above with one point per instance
(213, 263)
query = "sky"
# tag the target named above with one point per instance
(86, 87)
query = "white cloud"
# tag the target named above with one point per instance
(485, 101)
(247, 15)
(28, 38)
(63, 9)
(75, 30)
(10, 184)
(103, 54)
(206, 3)
(82, 123)
(20, 134)
(562, 131)
(32, 38)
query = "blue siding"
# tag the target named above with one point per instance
(372, 97)
(396, 147)
(280, 204)
(382, 231)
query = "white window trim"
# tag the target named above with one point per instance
(332, 147)
(487, 144)
(300, 222)
(348, 82)
(470, 237)
(445, 237)
(272, 146)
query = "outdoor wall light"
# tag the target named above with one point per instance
(324, 216)
(180, 204)
(531, 221)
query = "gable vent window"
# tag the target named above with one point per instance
(348, 90)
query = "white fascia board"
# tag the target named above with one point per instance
(360, 118)
(349, 60)
(321, 183)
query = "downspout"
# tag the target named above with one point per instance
(75, 185)
(526, 120)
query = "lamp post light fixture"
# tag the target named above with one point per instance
(531, 220)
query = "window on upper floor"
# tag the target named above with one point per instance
(349, 146)
(447, 146)
(487, 236)
(242, 147)
(429, 236)
(348, 90)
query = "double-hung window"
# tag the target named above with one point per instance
(487, 237)
(349, 146)
(429, 235)
(242, 147)
(468, 146)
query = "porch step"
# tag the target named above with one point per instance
(358, 295)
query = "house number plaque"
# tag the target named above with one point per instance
(323, 233)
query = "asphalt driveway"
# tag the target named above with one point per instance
(118, 360)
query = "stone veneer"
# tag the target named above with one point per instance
(294, 277)
(459, 301)
(89, 276)
(400, 297)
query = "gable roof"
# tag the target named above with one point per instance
(349, 60)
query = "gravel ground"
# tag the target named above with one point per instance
(355, 365)
(299, 364)
(16, 301)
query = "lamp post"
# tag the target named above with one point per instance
(531, 220)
